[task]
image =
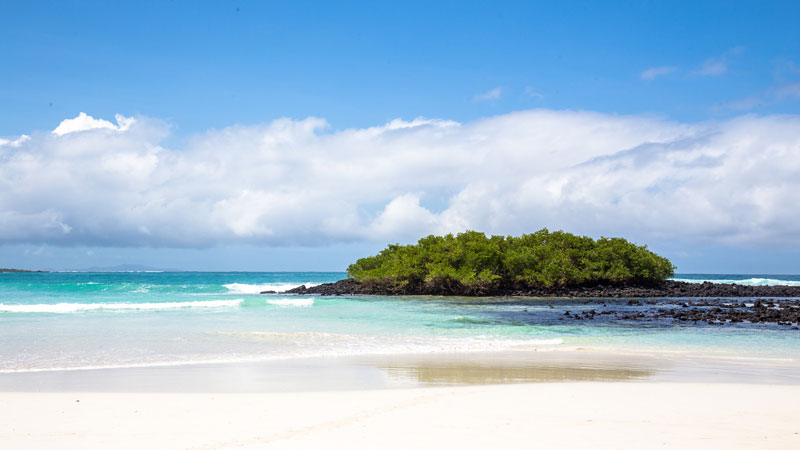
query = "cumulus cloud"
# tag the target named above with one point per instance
(86, 122)
(655, 72)
(293, 182)
(14, 142)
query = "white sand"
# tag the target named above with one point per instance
(545, 415)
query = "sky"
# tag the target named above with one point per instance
(303, 135)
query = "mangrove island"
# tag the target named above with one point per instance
(540, 264)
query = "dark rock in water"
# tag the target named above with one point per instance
(668, 288)
(302, 289)
(268, 292)
(684, 303)
(786, 313)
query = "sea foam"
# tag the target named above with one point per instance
(60, 308)
(292, 302)
(243, 288)
(745, 282)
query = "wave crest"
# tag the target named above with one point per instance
(61, 308)
(744, 282)
(244, 288)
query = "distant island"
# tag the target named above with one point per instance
(540, 264)
(128, 268)
(4, 270)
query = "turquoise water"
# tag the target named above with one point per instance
(54, 321)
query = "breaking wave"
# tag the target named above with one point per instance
(61, 308)
(744, 282)
(243, 288)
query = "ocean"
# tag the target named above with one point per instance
(78, 320)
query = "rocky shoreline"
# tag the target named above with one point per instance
(668, 288)
(671, 301)
(713, 312)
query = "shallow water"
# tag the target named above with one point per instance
(54, 321)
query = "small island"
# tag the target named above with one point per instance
(623, 281)
(471, 263)
(540, 264)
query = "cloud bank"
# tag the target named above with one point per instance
(297, 182)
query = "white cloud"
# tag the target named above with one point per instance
(713, 67)
(531, 92)
(490, 95)
(298, 182)
(788, 90)
(718, 65)
(777, 94)
(402, 216)
(86, 122)
(16, 142)
(655, 72)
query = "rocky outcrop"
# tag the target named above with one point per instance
(666, 289)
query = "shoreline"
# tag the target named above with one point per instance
(415, 370)
(681, 302)
(555, 399)
(666, 289)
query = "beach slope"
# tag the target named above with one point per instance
(540, 415)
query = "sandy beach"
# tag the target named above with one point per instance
(543, 415)
(557, 399)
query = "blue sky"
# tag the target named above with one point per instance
(201, 75)
(212, 64)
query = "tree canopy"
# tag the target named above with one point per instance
(543, 258)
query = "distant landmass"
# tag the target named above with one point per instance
(129, 268)
(4, 270)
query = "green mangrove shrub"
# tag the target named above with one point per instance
(542, 258)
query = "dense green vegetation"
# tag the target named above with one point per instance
(544, 258)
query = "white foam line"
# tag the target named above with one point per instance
(745, 282)
(62, 308)
(292, 302)
(532, 345)
(243, 288)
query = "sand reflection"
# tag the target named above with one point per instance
(513, 367)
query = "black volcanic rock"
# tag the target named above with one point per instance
(668, 288)
(684, 303)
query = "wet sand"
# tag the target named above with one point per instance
(556, 399)
(412, 371)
